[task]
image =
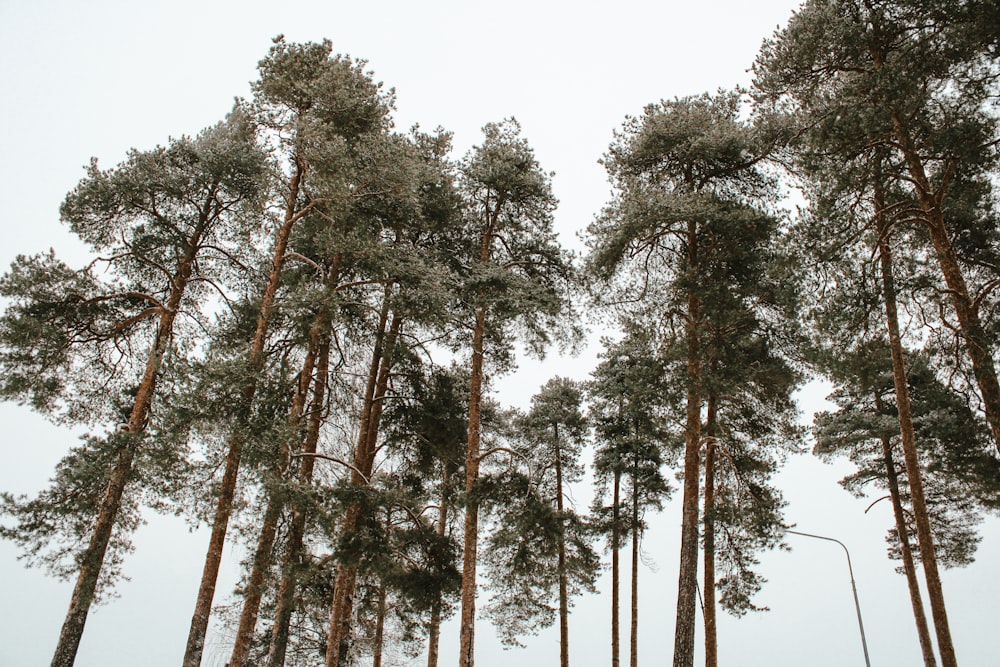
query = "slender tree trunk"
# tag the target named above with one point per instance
(688, 574)
(434, 634)
(227, 490)
(468, 613)
(467, 629)
(92, 559)
(913, 473)
(269, 527)
(711, 632)
(615, 568)
(291, 564)
(923, 632)
(379, 629)
(364, 458)
(634, 629)
(978, 344)
(561, 548)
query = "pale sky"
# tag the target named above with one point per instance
(95, 78)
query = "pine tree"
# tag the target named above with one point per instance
(630, 417)
(914, 78)
(317, 104)
(539, 550)
(431, 428)
(418, 216)
(958, 472)
(515, 276)
(166, 222)
(689, 217)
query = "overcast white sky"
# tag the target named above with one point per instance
(95, 78)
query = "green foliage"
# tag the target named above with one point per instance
(323, 90)
(685, 160)
(68, 336)
(429, 424)
(172, 224)
(691, 241)
(521, 555)
(52, 528)
(532, 522)
(897, 95)
(512, 265)
(959, 470)
(632, 426)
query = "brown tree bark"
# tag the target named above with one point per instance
(434, 632)
(269, 527)
(615, 569)
(978, 344)
(379, 629)
(561, 548)
(910, 456)
(93, 558)
(634, 627)
(711, 631)
(688, 571)
(467, 628)
(468, 609)
(227, 489)
(364, 459)
(923, 632)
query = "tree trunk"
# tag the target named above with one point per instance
(468, 614)
(711, 633)
(688, 572)
(913, 473)
(923, 632)
(289, 570)
(338, 620)
(269, 527)
(467, 629)
(634, 628)
(227, 490)
(561, 547)
(978, 344)
(92, 559)
(434, 633)
(379, 629)
(364, 459)
(615, 569)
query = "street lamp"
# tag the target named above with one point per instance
(854, 588)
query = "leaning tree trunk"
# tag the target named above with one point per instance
(913, 473)
(227, 489)
(892, 478)
(688, 572)
(269, 527)
(711, 632)
(364, 460)
(93, 558)
(978, 344)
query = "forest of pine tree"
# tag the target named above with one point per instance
(288, 328)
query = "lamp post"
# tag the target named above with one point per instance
(854, 588)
